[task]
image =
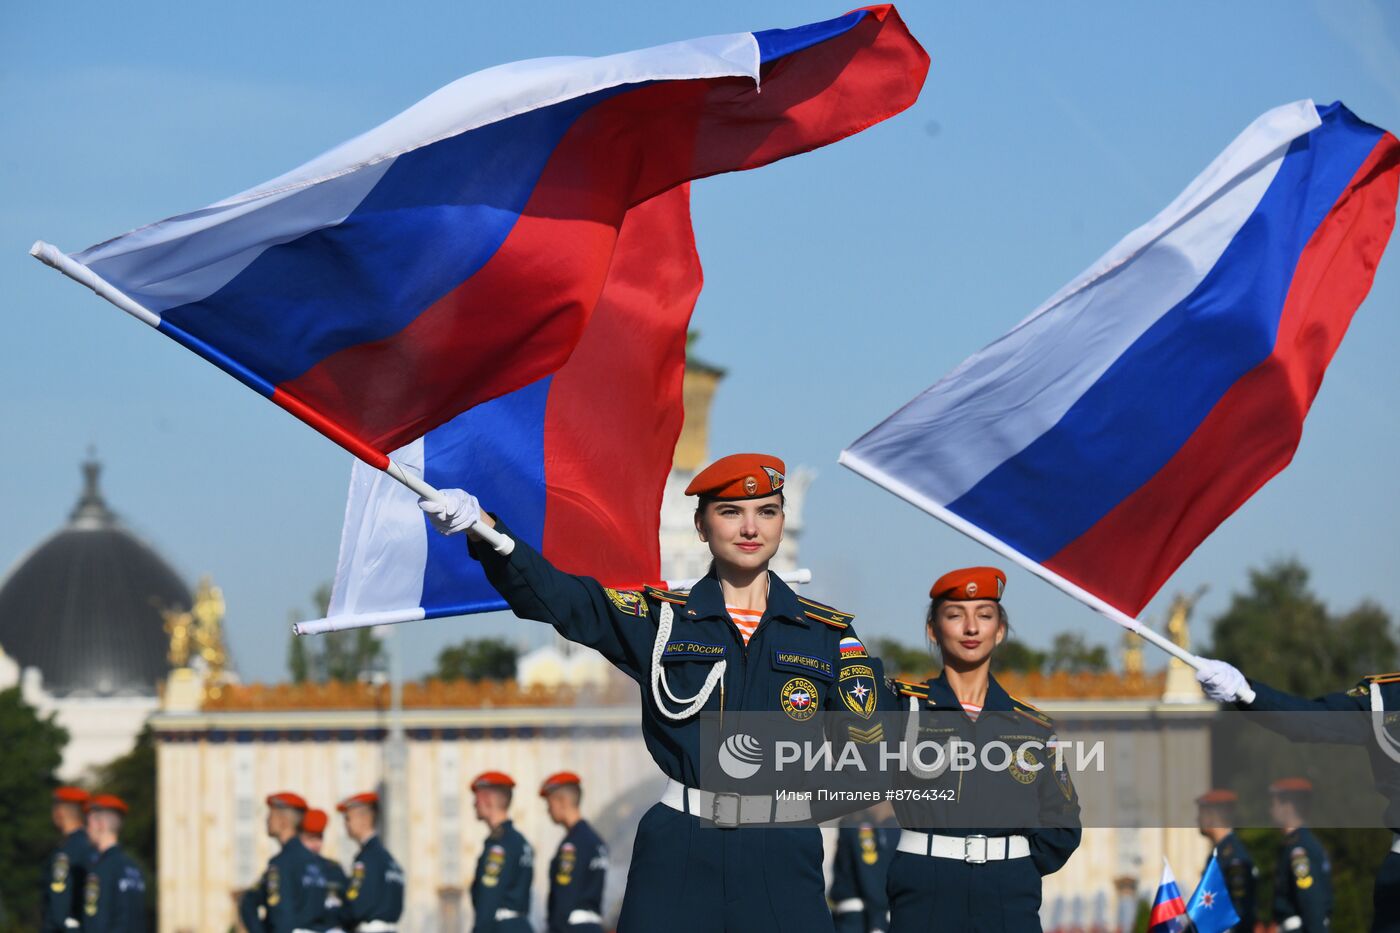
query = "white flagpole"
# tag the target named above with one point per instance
(904, 491)
(51, 255)
(395, 616)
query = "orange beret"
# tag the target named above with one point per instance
(492, 779)
(970, 583)
(739, 476)
(556, 781)
(107, 802)
(70, 795)
(1217, 797)
(314, 822)
(367, 799)
(287, 800)
(1291, 785)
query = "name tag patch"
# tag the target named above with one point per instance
(805, 663)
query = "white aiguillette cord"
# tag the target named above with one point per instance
(1383, 739)
(658, 675)
(911, 741)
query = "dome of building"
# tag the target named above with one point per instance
(86, 607)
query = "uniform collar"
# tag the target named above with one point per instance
(578, 828)
(502, 831)
(706, 601)
(369, 843)
(940, 693)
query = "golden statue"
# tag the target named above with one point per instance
(1179, 617)
(178, 626)
(1132, 654)
(208, 634)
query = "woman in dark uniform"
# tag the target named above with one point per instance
(975, 842)
(740, 640)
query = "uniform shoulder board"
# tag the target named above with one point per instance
(823, 613)
(1031, 713)
(1383, 678)
(667, 596)
(909, 688)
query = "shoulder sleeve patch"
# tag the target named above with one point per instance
(823, 613)
(666, 596)
(629, 602)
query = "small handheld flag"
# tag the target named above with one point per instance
(1210, 908)
(1168, 909)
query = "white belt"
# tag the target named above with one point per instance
(730, 810)
(71, 923)
(377, 926)
(972, 849)
(1395, 846)
(584, 916)
(1292, 923)
(849, 906)
(505, 913)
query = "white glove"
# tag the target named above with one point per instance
(455, 512)
(1223, 682)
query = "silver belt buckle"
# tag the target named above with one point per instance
(719, 807)
(968, 850)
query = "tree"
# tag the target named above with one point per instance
(478, 659)
(1281, 633)
(132, 777)
(33, 749)
(901, 660)
(345, 656)
(1070, 653)
(1018, 657)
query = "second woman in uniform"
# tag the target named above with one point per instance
(975, 841)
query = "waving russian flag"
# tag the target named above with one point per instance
(576, 461)
(1168, 909)
(1101, 440)
(455, 253)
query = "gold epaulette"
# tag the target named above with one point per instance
(824, 613)
(908, 688)
(1031, 713)
(1383, 678)
(667, 596)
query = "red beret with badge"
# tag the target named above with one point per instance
(970, 583)
(286, 800)
(1218, 797)
(493, 779)
(70, 795)
(107, 802)
(739, 476)
(367, 799)
(556, 781)
(314, 822)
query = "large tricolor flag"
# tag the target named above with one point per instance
(1102, 439)
(456, 252)
(576, 462)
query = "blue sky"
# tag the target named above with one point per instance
(838, 284)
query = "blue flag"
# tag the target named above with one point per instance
(1210, 908)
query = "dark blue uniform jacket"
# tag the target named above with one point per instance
(375, 890)
(576, 876)
(64, 874)
(114, 894)
(503, 874)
